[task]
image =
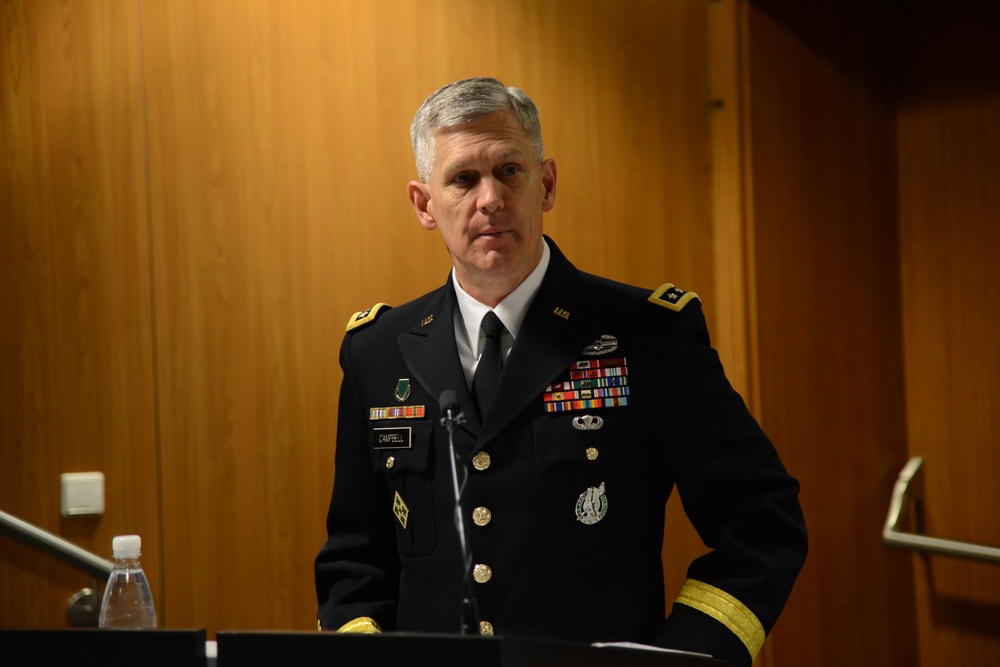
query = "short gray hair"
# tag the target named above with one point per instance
(464, 102)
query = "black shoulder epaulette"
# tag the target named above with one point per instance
(365, 317)
(673, 298)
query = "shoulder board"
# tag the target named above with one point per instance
(670, 297)
(365, 317)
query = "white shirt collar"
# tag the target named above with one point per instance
(511, 312)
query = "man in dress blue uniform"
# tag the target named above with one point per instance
(609, 396)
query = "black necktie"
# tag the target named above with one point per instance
(484, 384)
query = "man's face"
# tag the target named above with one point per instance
(486, 195)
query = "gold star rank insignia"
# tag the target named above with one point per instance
(365, 317)
(671, 297)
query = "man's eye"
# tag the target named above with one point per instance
(462, 179)
(511, 170)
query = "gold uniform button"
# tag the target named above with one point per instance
(482, 573)
(481, 516)
(389, 462)
(481, 461)
(592, 453)
(486, 628)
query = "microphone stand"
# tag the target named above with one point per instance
(469, 611)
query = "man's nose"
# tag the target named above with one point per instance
(490, 196)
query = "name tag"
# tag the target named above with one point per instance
(400, 437)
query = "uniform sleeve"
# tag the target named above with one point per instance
(740, 499)
(357, 570)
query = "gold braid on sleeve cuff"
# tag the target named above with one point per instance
(726, 609)
(363, 624)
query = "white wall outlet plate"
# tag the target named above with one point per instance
(82, 494)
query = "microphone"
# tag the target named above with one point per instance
(448, 403)
(451, 415)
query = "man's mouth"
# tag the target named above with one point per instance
(493, 231)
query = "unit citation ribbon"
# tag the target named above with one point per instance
(400, 412)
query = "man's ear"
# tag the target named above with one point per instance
(548, 184)
(420, 196)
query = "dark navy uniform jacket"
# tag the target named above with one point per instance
(568, 476)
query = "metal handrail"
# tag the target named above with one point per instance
(909, 489)
(55, 546)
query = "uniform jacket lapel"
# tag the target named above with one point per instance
(552, 336)
(432, 356)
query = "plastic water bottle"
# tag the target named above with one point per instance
(128, 601)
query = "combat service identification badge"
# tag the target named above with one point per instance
(400, 509)
(592, 505)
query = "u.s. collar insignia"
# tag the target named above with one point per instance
(603, 345)
(402, 389)
(592, 505)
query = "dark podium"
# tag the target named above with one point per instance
(316, 649)
(107, 648)
(187, 648)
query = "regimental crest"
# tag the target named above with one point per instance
(606, 344)
(402, 391)
(592, 505)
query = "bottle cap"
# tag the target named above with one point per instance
(126, 546)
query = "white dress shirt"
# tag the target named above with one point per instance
(511, 311)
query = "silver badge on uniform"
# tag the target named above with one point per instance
(603, 345)
(588, 422)
(592, 505)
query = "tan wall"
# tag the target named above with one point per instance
(949, 184)
(874, 145)
(77, 385)
(194, 196)
(831, 384)
(201, 193)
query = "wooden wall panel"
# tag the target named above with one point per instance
(76, 381)
(831, 373)
(276, 208)
(949, 166)
(278, 158)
